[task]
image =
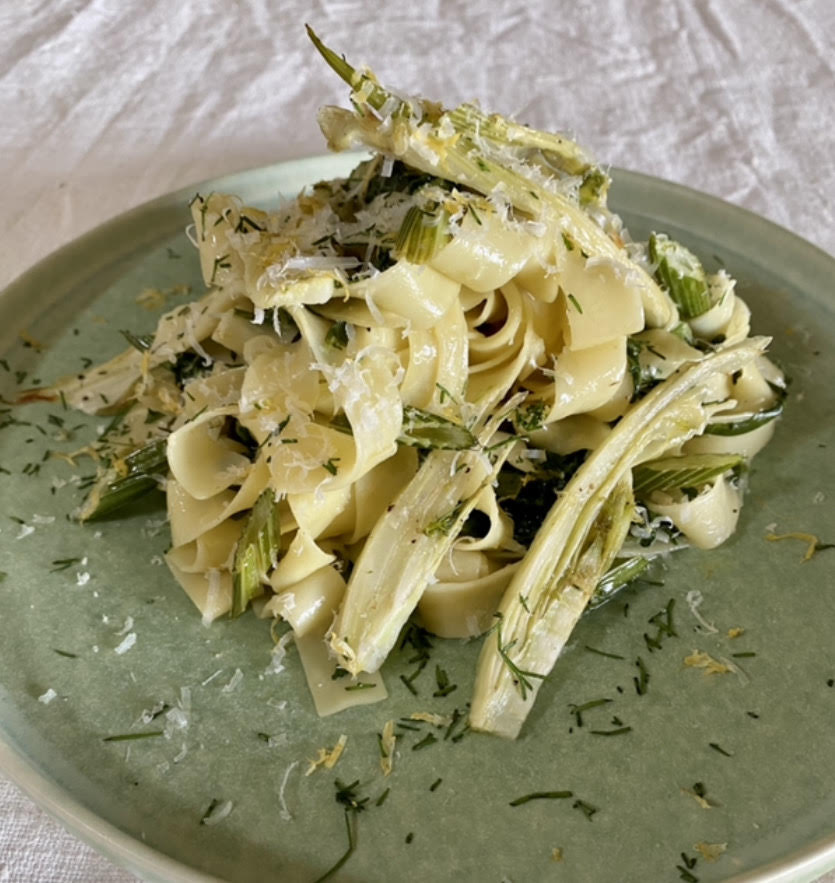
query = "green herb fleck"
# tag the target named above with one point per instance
(63, 564)
(520, 677)
(541, 795)
(129, 737)
(603, 652)
(337, 336)
(444, 686)
(575, 303)
(425, 742)
(141, 342)
(586, 808)
(577, 710)
(642, 680)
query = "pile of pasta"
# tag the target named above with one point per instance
(373, 358)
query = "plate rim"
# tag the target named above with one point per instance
(803, 864)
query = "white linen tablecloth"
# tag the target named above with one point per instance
(106, 104)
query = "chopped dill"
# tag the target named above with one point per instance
(577, 710)
(425, 742)
(129, 737)
(642, 680)
(63, 564)
(586, 808)
(603, 652)
(541, 795)
(519, 676)
(444, 686)
(575, 303)
(409, 685)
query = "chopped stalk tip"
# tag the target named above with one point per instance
(681, 273)
(257, 553)
(127, 481)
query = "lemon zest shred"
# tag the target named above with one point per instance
(711, 852)
(711, 666)
(327, 758)
(810, 538)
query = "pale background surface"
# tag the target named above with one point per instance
(105, 105)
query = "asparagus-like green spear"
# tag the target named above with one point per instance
(137, 474)
(257, 552)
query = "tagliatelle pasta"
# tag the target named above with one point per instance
(448, 386)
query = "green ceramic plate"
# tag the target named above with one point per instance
(63, 623)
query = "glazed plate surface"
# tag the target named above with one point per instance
(248, 740)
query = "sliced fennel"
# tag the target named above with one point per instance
(490, 155)
(554, 576)
(406, 547)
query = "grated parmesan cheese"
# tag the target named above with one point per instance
(127, 643)
(437, 720)
(48, 696)
(388, 742)
(234, 682)
(694, 599)
(285, 812)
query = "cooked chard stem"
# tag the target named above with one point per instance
(681, 273)
(572, 550)
(406, 546)
(690, 470)
(134, 476)
(257, 552)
